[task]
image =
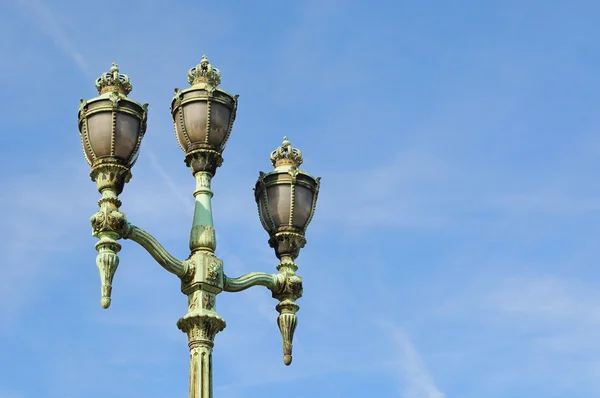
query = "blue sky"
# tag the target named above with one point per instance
(454, 248)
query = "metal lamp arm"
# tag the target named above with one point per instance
(157, 251)
(286, 287)
(273, 282)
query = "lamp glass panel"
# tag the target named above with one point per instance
(194, 116)
(100, 133)
(219, 123)
(279, 203)
(303, 202)
(126, 135)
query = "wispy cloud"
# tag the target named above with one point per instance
(414, 378)
(533, 299)
(47, 21)
(543, 325)
(168, 181)
(399, 184)
(26, 247)
(9, 394)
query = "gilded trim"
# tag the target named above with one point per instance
(266, 199)
(314, 203)
(113, 132)
(208, 111)
(183, 129)
(86, 139)
(292, 193)
(231, 120)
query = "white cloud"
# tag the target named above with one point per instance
(176, 190)
(414, 378)
(47, 21)
(536, 327)
(39, 230)
(545, 298)
(395, 194)
(9, 394)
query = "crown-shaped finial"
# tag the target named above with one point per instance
(204, 72)
(285, 155)
(113, 81)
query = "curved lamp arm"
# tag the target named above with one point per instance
(159, 253)
(273, 282)
(286, 287)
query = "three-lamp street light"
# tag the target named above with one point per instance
(112, 127)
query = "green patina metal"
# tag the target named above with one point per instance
(112, 127)
(203, 236)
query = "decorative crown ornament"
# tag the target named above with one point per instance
(113, 81)
(205, 73)
(285, 155)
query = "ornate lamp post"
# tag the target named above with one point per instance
(112, 127)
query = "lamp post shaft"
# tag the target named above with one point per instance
(202, 323)
(202, 236)
(201, 330)
(201, 345)
(201, 372)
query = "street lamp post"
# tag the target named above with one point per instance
(112, 127)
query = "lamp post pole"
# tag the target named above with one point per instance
(112, 127)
